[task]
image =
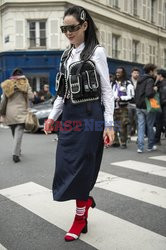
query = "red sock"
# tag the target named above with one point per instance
(80, 224)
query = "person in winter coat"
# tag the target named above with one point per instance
(18, 92)
(161, 83)
(83, 87)
(135, 73)
(145, 88)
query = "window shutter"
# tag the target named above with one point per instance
(164, 17)
(143, 52)
(139, 52)
(126, 5)
(129, 49)
(109, 44)
(124, 47)
(161, 57)
(148, 10)
(19, 34)
(160, 13)
(138, 8)
(154, 54)
(131, 7)
(103, 38)
(110, 2)
(147, 49)
(54, 34)
(144, 10)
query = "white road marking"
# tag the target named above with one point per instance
(137, 190)
(160, 157)
(142, 167)
(2, 247)
(105, 230)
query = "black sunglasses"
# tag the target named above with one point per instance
(70, 28)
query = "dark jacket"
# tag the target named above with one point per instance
(144, 89)
(162, 91)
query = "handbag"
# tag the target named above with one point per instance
(3, 105)
(153, 104)
(31, 122)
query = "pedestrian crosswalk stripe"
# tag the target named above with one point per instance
(142, 166)
(160, 157)
(2, 247)
(134, 138)
(105, 231)
(137, 190)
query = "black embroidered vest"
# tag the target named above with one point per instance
(81, 83)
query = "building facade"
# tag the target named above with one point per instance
(132, 31)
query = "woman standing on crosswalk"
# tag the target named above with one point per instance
(83, 89)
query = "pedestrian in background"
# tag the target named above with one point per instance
(17, 91)
(135, 73)
(83, 82)
(161, 116)
(123, 91)
(44, 94)
(145, 88)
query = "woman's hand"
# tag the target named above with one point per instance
(48, 126)
(108, 136)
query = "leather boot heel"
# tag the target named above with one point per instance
(85, 229)
(93, 202)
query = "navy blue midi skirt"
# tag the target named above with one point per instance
(79, 150)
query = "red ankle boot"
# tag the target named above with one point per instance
(90, 203)
(80, 223)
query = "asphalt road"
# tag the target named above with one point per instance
(130, 195)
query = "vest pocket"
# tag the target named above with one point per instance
(94, 81)
(75, 82)
(59, 80)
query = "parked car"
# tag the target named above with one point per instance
(42, 111)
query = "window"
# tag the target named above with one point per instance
(135, 53)
(37, 34)
(152, 54)
(165, 58)
(160, 12)
(116, 4)
(115, 46)
(113, 3)
(153, 8)
(37, 82)
(135, 8)
(144, 9)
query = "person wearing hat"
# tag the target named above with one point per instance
(17, 92)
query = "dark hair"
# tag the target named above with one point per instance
(149, 67)
(17, 72)
(161, 72)
(124, 72)
(91, 40)
(135, 69)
